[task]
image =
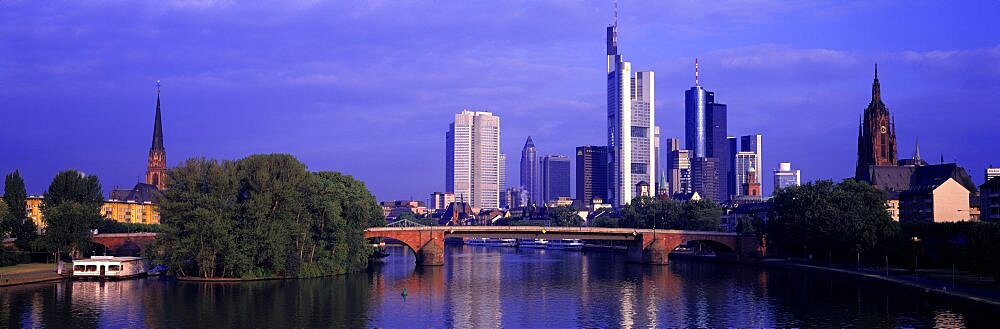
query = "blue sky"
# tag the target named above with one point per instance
(369, 88)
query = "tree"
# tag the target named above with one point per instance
(647, 212)
(263, 216)
(845, 218)
(16, 222)
(564, 216)
(72, 209)
(4, 213)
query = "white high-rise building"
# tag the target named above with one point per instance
(473, 164)
(785, 177)
(741, 166)
(631, 122)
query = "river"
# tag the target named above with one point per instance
(483, 287)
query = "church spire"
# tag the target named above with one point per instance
(916, 151)
(157, 125)
(876, 90)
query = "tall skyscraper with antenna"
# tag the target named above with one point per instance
(705, 132)
(631, 124)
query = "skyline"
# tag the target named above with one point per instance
(91, 69)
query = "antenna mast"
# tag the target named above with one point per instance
(696, 83)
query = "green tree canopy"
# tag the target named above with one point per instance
(825, 217)
(4, 219)
(16, 222)
(564, 216)
(644, 212)
(263, 216)
(71, 209)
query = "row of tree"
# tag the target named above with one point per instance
(645, 212)
(263, 216)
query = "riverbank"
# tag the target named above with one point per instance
(927, 284)
(28, 273)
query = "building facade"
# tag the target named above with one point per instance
(876, 134)
(989, 200)
(991, 172)
(631, 117)
(555, 177)
(591, 173)
(705, 133)
(744, 164)
(529, 170)
(441, 200)
(705, 178)
(785, 177)
(473, 159)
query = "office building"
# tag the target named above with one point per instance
(745, 162)
(680, 172)
(555, 177)
(591, 173)
(705, 126)
(992, 172)
(441, 200)
(989, 200)
(529, 172)
(631, 118)
(785, 177)
(473, 159)
(705, 178)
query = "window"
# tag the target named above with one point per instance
(114, 268)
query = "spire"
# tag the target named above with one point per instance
(157, 125)
(916, 151)
(876, 92)
(696, 83)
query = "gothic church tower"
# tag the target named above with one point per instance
(156, 169)
(876, 134)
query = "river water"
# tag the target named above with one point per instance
(483, 287)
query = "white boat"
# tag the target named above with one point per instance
(532, 243)
(565, 244)
(476, 241)
(494, 242)
(109, 267)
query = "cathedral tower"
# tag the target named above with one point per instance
(156, 169)
(876, 134)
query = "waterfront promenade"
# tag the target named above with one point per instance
(28, 273)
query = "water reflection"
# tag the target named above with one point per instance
(482, 287)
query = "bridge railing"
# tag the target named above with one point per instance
(404, 223)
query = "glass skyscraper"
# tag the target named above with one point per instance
(705, 137)
(555, 177)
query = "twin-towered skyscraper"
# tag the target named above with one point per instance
(473, 161)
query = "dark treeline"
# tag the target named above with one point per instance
(848, 220)
(263, 216)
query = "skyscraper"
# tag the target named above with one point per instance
(631, 118)
(745, 161)
(529, 172)
(473, 164)
(555, 177)
(591, 173)
(680, 172)
(876, 134)
(156, 167)
(784, 177)
(705, 136)
(749, 147)
(705, 178)
(503, 181)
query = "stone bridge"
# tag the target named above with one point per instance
(644, 245)
(125, 244)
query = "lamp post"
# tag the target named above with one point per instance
(916, 241)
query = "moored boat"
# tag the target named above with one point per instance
(565, 244)
(532, 243)
(109, 267)
(495, 242)
(476, 241)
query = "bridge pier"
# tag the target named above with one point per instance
(431, 253)
(652, 251)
